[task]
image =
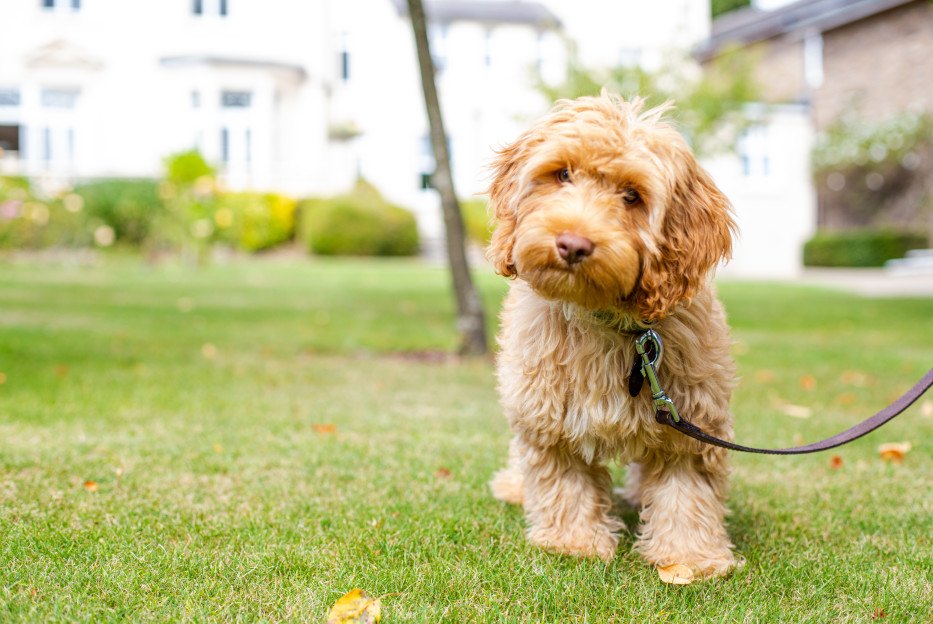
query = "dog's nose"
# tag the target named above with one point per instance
(573, 248)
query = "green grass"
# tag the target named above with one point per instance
(190, 399)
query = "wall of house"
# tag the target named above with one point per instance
(878, 66)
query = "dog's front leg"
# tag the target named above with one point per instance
(683, 513)
(567, 502)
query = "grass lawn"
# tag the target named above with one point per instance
(250, 442)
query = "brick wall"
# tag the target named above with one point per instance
(879, 66)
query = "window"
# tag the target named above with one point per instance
(438, 36)
(487, 48)
(9, 97)
(195, 99)
(224, 145)
(236, 99)
(51, 5)
(220, 8)
(813, 60)
(46, 144)
(59, 98)
(753, 152)
(9, 139)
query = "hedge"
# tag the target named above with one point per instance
(859, 248)
(130, 207)
(360, 223)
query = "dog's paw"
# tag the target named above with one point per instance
(600, 542)
(506, 485)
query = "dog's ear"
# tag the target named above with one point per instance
(695, 235)
(502, 198)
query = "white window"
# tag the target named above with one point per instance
(487, 48)
(236, 99)
(438, 36)
(210, 7)
(59, 98)
(813, 59)
(195, 99)
(754, 152)
(9, 97)
(61, 5)
(343, 59)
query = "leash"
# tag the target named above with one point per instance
(650, 350)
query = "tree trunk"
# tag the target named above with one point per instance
(470, 318)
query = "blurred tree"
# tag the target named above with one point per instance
(710, 105)
(724, 6)
(470, 317)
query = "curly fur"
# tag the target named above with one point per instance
(566, 341)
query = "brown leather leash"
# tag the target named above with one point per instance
(650, 351)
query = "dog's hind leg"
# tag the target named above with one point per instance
(507, 484)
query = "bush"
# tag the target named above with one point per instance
(476, 221)
(255, 221)
(128, 207)
(361, 223)
(30, 222)
(859, 248)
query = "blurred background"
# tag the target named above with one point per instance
(219, 126)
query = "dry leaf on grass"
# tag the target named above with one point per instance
(90, 486)
(2, 378)
(442, 473)
(835, 462)
(323, 428)
(209, 351)
(808, 382)
(355, 607)
(797, 411)
(675, 574)
(894, 451)
(926, 409)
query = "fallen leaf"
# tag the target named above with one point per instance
(835, 462)
(926, 408)
(854, 378)
(878, 613)
(675, 574)
(797, 411)
(324, 428)
(61, 370)
(209, 351)
(2, 378)
(764, 375)
(442, 473)
(90, 486)
(808, 382)
(355, 607)
(894, 451)
(218, 448)
(846, 398)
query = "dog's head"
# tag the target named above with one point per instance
(604, 205)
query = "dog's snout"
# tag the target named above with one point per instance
(573, 248)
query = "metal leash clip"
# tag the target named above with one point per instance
(650, 349)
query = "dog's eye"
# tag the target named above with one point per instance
(631, 196)
(563, 176)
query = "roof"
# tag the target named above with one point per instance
(487, 11)
(750, 25)
(224, 61)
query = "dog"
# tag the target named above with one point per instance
(608, 225)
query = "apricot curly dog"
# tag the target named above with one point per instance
(610, 225)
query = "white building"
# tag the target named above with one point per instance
(302, 96)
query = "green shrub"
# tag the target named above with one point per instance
(476, 220)
(186, 168)
(360, 223)
(254, 221)
(859, 248)
(129, 207)
(31, 222)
